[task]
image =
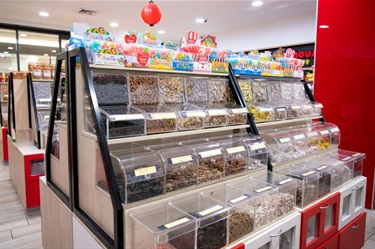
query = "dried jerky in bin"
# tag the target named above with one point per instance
(162, 225)
(171, 89)
(212, 218)
(181, 165)
(259, 88)
(196, 90)
(218, 90)
(111, 87)
(143, 171)
(143, 89)
(216, 115)
(189, 117)
(237, 115)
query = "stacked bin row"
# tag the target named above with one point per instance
(276, 100)
(141, 104)
(297, 141)
(145, 172)
(323, 174)
(214, 218)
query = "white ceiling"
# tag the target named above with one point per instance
(178, 15)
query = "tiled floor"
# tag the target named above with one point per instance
(20, 229)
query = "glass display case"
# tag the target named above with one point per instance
(308, 182)
(196, 90)
(317, 108)
(139, 174)
(211, 160)
(181, 167)
(163, 226)
(279, 110)
(274, 91)
(293, 110)
(307, 109)
(345, 157)
(257, 150)
(212, 216)
(159, 118)
(280, 146)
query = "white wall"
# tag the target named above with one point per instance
(291, 30)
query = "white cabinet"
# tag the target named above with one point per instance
(352, 201)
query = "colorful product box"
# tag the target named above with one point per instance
(163, 59)
(136, 56)
(98, 34)
(183, 61)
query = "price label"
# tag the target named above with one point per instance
(210, 210)
(295, 107)
(318, 105)
(145, 171)
(308, 173)
(346, 158)
(235, 200)
(217, 112)
(285, 181)
(44, 100)
(174, 223)
(167, 115)
(284, 140)
(193, 114)
(298, 137)
(181, 159)
(324, 132)
(280, 109)
(257, 146)
(125, 117)
(312, 134)
(238, 110)
(262, 189)
(321, 168)
(356, 154)
(335, 130)
(307, 106)
(265, 109)
(210, 153)
(236, 149)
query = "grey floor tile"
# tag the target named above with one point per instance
(34, 219)
(26, 230)
(23, 242)
(5, 235)
(10, 224)
(367, 235)
(12, 215)
(369, 244)
(372, 237)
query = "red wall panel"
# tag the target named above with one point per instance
(345, 75)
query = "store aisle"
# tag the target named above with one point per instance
(19, 229)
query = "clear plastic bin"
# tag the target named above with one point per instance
(257, 150)
(280, 146)
(325, 135)
(139, 174)
(212, 218)
(171, 89)
(181, 167)
(261, 113)
(325, 173)
(121, 121)
(358, 164)
(143, 89)
(159, 118)
(314, 140)
(307, 109)
(308, 182)
(300, 142)
(218, 90)
(274, 91)
(317, 108)
(111, 87)
(237, 115)
(216, 115)
(279, 111)
(162, 226)
(293, 110)
(335, 133)
(196, 90)
(299, 91)
(286, 91)
(247, 92)
(211, 159)
(259, 89)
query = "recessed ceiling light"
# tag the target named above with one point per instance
(323, 26)
(161, 31)
(54, 51)
(42, 13)
(10, 48)
(113, 24)
(6, 52)
(45, 54)
(201, 20)
(257, 3)
(24, 35)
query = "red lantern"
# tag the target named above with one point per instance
(151, 13)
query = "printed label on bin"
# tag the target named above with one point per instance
(346, 158)
(235, 200)
(356, 154)
(321, 168)
(166, 115)
(307, 106)
(335, 130)
(124, 117)
(145, 171)
(44, 100)
(210, 210)
(238, 110)
(265, 109)
(193, 114)
(318, 105)
(280, 109)
(299, 136)
(257, 146)
(173, 224)
(217, 112)
(181, 159)
(324, 132)
(236, 149)
(284, 140)
(308, 173)
(312, 134)
(209, 153)
(295, 107)
(285, 181)
(262, 189)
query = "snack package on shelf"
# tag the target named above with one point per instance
(183, 61)
(137, 55)
(162, 59)
(104, 52)
(98, 34)
(219, 61)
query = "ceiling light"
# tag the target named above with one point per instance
(10, 48)
(42, 13)
(54, 51)
(201, 20)
(24, 35)
(113, 24)
(161, 31)
(323, 26)
(6, 52)
(45, 54)
(257, 3)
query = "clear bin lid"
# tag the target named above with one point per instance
(299, 171)
(255, 144)
(255, 187)
(121, 112)
(174, 153)
(188, 110)
(356, 155)
(282, 181)
(154, 112)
